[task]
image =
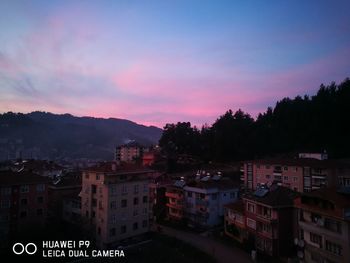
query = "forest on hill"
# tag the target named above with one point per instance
(304, 123)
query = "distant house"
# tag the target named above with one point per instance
(324, 225)
(129, 152)
(264, 219)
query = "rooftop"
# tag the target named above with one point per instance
(274, 196)
(20, 178)
(303, 162)
(114, 168)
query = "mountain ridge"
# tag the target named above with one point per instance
(47, 135)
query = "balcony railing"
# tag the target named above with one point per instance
(202, 202)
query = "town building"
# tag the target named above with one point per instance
(23, 203)
(324, 225)
(115, 202)
(129, 152)
(302, 175)
(200, 203)
(68, 186)
(264, 219)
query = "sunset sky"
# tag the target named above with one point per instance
(156, 62)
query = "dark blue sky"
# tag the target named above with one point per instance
(165, 61)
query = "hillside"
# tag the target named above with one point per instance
(48, 135)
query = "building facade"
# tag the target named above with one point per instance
(264, 219)
(302, 175)
(324, 226)
(129, 152)
(23, 203)
(201, 202)
(115, 202)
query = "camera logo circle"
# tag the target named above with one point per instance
(29, 248)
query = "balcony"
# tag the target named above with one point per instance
(174, 195)
(176, 205)
(202, 202)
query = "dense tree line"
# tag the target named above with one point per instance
(317, 123)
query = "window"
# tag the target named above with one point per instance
(145, 188)
(113, 205)
(266, 212)
(113, 219)
(94, 202)
(6, 191)
(112, 232)
(93, 214)
(86, 175)
(295, 169)
(39, 212)
(144, 223)
(93, 188)
(214, 196)
(40, 199)
(251, 207)
(136, 201)
(135, 226)
(285, 168)
(24, 201)
(99, 231)
(136, 212)
(97, 177)
(268, 176)
(24, 188)
(302, 234)
(136, 189)
(113, 189)
(145, 199)
(189, 194)
(332, 225)
(124, 203)
(333, 248)
(251, 223)
(295, 179)
(123, 229)
(5, 203)
(124, 189)
(145, 211)
(317, 239)
(23, 214)
(285, 178)
(40, 187)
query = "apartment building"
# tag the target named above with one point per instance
(115, 202)
(201, 202)
(23, 203)
(324, 225)
(264, 219)
(175, 195)
(129, 152)
(302, 175)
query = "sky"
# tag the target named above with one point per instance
(158, 62)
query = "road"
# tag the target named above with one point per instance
(221, 252)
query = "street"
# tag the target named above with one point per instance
(221, 252)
